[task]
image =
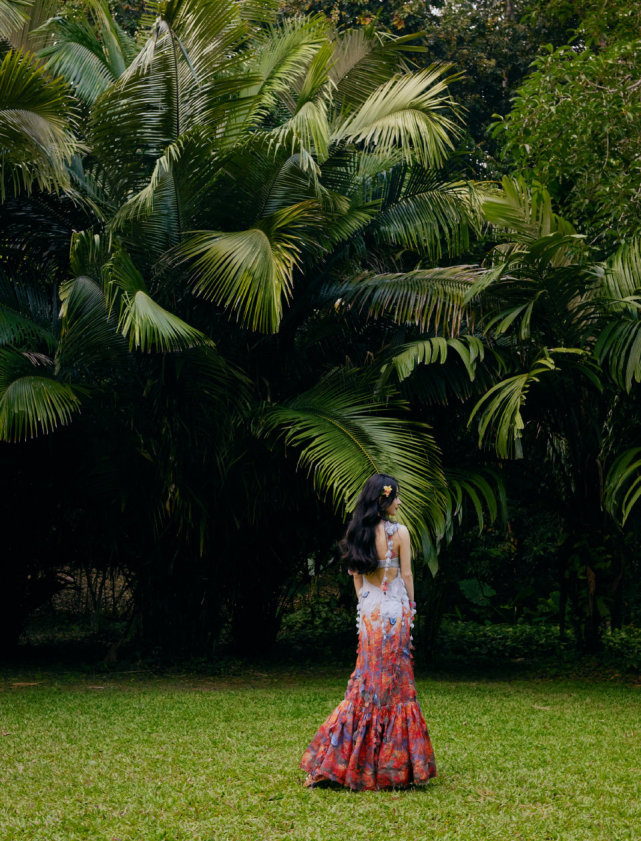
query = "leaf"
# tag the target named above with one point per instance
(343, 437)
(31, 403)
(622, 486)
(423, 220)
(13, 14)
(27, 318)
(88, 340)
(524, 211)
(469, 349)
(363, 61)
(481, 490)
(146, 324)
(431, 299)
(250, 273)
(619, 342)
(90, 53)
(282, 59)
(36, 121)
(499, 410)
(410, 112)
(478, 592)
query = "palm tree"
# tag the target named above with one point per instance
(551, 314)
(234, 183)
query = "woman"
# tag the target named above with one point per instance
(377, 736)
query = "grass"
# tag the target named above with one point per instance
(133, 757)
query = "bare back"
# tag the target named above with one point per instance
(376, 577)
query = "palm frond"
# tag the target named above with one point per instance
(431, 299)
(619, 294)
(619, 346)
(484, 489)
(119, 46)
(89, 343)
(346, 219)
(29, 36)
(90, 53)
(89, 253)
(469, 349)
(259, 11)
(146, 324)
(31, 401)
(159, 197)
(362, 61)
(622, 486)
(499, 410)
(343, 437)
(526, 212)
(25, 316)
(291, 183)
(194, 59)
(202, 31)
(36, 121)
(411, 112)
(18, 329)
(314, 84)
(622, 272)
(184, 186)
(423, 221)
(251, 272)
(499, 323)
(541, 288)
(76, 62)
(477, 495)
(305, 133)
(13, 14)
(143, 105)
(282, 58)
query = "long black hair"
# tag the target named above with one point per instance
(358, 547)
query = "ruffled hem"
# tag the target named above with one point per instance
(372, 747)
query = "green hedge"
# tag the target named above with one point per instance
(319, 628)
(322, 629)
(471, 640)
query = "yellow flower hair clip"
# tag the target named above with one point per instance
(387, 490)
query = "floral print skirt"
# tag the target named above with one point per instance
(377, 736)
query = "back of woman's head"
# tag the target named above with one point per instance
(359, 544)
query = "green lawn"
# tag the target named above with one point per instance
(136, 758)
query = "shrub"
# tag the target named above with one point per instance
(318, 627)
(497, 642)
(623, 648)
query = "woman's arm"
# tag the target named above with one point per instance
(405, 553)
(358, 583)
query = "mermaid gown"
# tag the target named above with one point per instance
(377, 736)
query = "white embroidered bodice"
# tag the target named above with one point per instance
(389, 562)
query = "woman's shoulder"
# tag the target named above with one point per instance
(402, 533)
(396, 528)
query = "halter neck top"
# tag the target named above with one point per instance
(394, 563)
(389, 561)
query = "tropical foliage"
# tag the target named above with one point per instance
(567, 360)
(221, 221)
(573, 127)
(239, 273)
(491, 44)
